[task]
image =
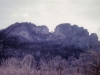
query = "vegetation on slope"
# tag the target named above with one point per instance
(87, 64)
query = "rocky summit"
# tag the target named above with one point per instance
(27, 38)
(26, 30)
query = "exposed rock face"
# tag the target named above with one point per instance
(42, 30)
(73, 36)
(21, 30)
(66, 40)
(26, 30)
(65, 34)
(93, 40)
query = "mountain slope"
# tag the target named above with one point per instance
(26, 38)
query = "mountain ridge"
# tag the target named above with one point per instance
(71, 35)
(66, 40)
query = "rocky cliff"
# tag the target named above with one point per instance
(74, 36)
(28, 38)
(27, 31)
(66, 34)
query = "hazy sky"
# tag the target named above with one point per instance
(85, 13)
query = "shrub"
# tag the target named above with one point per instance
(87, 64)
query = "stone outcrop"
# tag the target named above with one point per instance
(93, 40)
(26, 30)
(42, 30)
(73, 36)
(67, 40)
(65, 34)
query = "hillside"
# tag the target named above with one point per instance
(67, 40)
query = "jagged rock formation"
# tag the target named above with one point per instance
(73, 36)
(42, 30)
(27, 31)
(22, 38)
(93, 40)
(70, 36)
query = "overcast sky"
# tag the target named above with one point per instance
(84, 13)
